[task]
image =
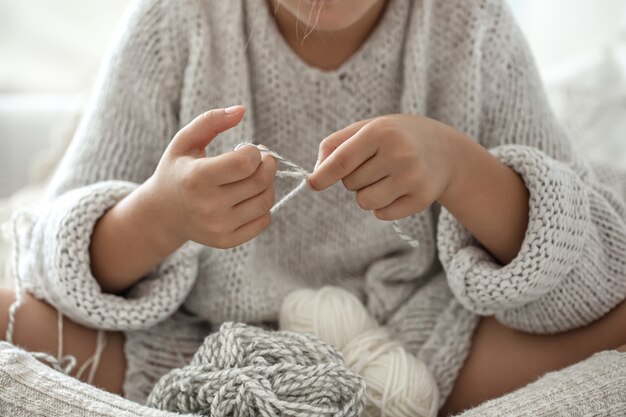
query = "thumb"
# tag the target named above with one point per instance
(201, 131)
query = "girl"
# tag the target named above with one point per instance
(432, 112)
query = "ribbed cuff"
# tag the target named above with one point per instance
(58, 265)
(558, 220)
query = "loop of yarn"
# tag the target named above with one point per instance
(397, 383)
(291, 171)
(244, 371)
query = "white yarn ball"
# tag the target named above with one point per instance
(397, 383)
(334, 315)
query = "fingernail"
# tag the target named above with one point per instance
(231, 110)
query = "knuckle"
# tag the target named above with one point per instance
(340, 165)
(260, 204)
(266, 221)
(245, 163)
(350, 184)
(400, 155)
(263, 223)
(421, 204)
(415, 180)
(216, 228)
(216, 221)
(208, 115)
(269, 199)
(384, 126)
(223, 242)
(380, 124)
(363, 200)
(417, 202)
(264, 178)
(257, 182)
(383, 214)
(189, 179)
(326, 145)
(356, 125)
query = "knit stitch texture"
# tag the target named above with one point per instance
(464, 63)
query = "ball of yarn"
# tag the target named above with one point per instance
(334, 315)
(397, 383)
(245, 371)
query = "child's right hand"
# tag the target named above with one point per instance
(220, 201)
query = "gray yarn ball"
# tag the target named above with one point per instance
(245, 371)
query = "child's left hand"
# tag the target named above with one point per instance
(398, 165)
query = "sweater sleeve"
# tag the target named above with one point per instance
(129, 122)
(571, 266)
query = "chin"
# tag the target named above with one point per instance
(328, 15)
(330, 22)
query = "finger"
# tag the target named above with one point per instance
(344, 160)
(194, 138)
(229, 167)
(244, 233)
(332, 142)
(252, 229)
(402, 207)
(379, 195)
(262, 179)
(254, 207)
(370, 172)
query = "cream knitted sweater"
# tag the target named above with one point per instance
(462, 62)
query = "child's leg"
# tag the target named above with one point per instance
(502, 360)
(593, 387)
(36, 331)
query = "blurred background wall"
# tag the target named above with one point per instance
(50, 51)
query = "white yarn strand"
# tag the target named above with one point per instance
(413, 242)
(292, 171)
(94, 361)
(288, 197)
(295, 171)
(18, 282)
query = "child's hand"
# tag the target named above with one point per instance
(398, 165)
(220, 201)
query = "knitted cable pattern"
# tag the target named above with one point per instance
(245, 371)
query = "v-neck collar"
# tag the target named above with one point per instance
(262, 27)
